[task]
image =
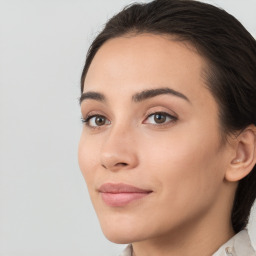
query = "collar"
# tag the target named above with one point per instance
(238, 245)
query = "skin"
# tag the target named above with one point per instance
(183, 160)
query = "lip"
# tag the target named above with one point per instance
(120, 194)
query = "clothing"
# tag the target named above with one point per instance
(238, 245)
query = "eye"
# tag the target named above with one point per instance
(160, 118)
(96, 121)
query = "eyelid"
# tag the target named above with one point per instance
(89, 114)
(94, 114)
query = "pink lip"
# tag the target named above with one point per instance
(121, 194)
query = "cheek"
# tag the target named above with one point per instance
(187, 178)
(185, 166)
(88, 152)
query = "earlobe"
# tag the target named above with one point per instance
(245, 155)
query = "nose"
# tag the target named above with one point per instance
(118, 151)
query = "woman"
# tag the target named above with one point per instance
(168, 147)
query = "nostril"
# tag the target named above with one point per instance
(104, 166)
(116, 165)
(122, 164)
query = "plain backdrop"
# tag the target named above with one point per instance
(44, 205)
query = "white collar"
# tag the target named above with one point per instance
(238, 245)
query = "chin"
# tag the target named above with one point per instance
(118, 238)
(119, 235)
(121, 231)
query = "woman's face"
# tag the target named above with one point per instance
(150, 150)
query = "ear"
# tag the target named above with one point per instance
(244, 158)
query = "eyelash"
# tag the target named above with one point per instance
(89, 117)
(166, 115)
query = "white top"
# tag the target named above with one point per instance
(238, 245)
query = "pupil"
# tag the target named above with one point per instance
(159, 118)
(100, 120)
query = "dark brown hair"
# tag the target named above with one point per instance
(230, 52)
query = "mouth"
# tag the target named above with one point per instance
(120, 194)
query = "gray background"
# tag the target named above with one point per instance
(44, 205)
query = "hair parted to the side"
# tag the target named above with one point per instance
(230, 52)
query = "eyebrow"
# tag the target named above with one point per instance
(93, 96)
(155, 92)
(138, 97)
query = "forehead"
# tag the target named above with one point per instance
(146, 61)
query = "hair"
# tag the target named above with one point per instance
(230, 52)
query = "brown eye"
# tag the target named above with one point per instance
(100, 120)
(159, 118)
(96, 121)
